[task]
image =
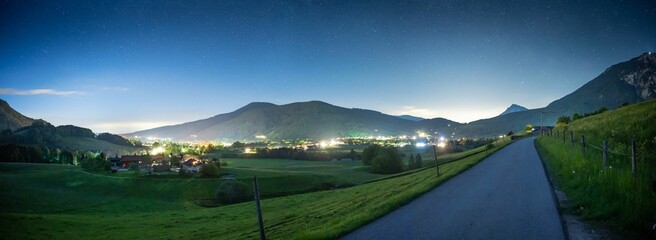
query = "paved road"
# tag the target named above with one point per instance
(506, 196)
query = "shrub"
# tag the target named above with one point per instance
(209, 170)
(230, 192)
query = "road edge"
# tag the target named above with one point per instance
(563, 222)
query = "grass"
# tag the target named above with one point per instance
(610, 194)
(62, 202)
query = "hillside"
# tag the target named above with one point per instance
(11, 119)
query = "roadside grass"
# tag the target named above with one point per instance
(120, 208)
(611, 194)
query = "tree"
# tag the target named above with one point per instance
(411, 162)
(418, 161)
(94, 164)
(238, 144)
(387, 160)
(369, 153)
(563, 120)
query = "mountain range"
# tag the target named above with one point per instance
(627, 82)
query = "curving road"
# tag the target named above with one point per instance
(506, 196)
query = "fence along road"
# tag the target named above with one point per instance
(506, 196)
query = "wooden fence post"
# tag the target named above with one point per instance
(564, 131)
(583, 144)
(437, 166)
(605, 153)
(260, 222)
(633, 157)
(571, 138)
(558, 134)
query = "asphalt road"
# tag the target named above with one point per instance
(506, 196)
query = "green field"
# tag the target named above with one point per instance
(55, 201)
(610, 194)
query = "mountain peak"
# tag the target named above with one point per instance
(10, 118)
(513, 108)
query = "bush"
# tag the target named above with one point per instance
(230, 192)
(209, 170)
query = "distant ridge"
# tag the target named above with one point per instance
(411, 118)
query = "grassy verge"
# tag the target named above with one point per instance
(610, 194)
(318, 215)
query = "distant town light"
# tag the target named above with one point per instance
(157, 150)
(260, 137)
(420, 144)
(441, 144)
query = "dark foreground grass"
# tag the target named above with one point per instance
(610, 194)
(318, 215)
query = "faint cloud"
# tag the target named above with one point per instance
(11, 91)
(117, 89)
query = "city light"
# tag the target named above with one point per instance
(157, 150)
(420, 144)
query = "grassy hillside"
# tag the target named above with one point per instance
(62, 202)
(92, 144)
(611, 194)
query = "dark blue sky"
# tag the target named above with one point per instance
(123, 66)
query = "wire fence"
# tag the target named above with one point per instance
(604, 149)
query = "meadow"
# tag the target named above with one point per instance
(56, 201)
(611, 193)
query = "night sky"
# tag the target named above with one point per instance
(124, 66)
